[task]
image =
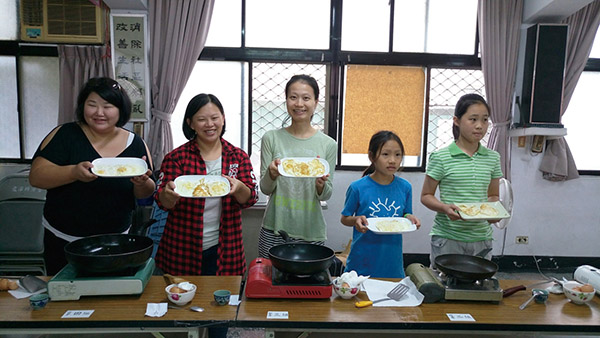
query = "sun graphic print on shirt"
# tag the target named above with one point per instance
(383, 209)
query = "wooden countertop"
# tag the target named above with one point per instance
(124, 311)
(558, 314)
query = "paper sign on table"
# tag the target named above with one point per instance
(277, 315)
(460, 317)
(77, 314)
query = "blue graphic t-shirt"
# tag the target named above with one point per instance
(372, 254)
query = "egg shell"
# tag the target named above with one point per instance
(176, 289)
(586, 288)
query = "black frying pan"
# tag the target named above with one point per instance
(300, 258)
(103, 254)
(466, 267)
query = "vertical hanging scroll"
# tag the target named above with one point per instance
(130, 60)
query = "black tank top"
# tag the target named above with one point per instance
(102, 206)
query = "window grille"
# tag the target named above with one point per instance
(447, 86)
(268, 96)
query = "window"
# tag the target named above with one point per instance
(447, 86)
(435, 26)
(225, 25)
(350, 61)
(8, 17)
(582, 117)
(230, 89)
(39, 99)
(287, 24)
(582, 122)
(255, 46)
(9, 139)
(268, 99)
(366, 28)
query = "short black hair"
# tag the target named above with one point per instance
(193, 106)
(111, 91)
(463, 104)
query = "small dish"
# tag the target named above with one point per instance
(39, 301)
(576, 296)
(541, 295)
(306, 167)
(119, 167)
(482, 211)
(222, 297)
(379, 224)
(344, 289)
(202, 186)
(181, 298)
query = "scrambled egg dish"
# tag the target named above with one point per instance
(202, 188)
(120, 170)
(312, 168)
(392, 226)
(474, 210)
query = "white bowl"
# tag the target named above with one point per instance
(577, 297)
(344, 290)
(181, 298)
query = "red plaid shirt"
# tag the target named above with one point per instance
(180, 249)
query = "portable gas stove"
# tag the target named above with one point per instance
(437, 286)
(487, 290)
(266, 281)
(69, 284)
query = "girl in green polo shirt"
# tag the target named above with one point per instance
(466, 172)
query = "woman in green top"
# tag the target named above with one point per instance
(294, 203)
(466, 172)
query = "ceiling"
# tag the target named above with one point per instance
(550, 11)
(136, 5)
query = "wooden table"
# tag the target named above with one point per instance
(123, 313)
(339, 315)
(126, 314)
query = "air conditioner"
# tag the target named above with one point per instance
(70, 21)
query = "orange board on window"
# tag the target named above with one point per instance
(383, 98)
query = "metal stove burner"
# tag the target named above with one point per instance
(130, 272)
(481, 290)
(284, 278)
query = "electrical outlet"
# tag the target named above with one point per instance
(522, 240)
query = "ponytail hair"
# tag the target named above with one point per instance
(376, 143)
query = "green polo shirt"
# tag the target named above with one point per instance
(463, 179)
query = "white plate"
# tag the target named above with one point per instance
(119, 167)
(478, 215)
(295, 161)
(407, 225)
(185, 185)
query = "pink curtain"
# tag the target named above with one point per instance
(178, 31)
(499, 24)
(78, 64)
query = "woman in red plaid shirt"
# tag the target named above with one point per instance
(203, 236)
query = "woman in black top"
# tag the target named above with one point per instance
(79, 203)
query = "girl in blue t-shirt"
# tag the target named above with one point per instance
(379, 193)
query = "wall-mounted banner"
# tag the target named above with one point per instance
(130, 61)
